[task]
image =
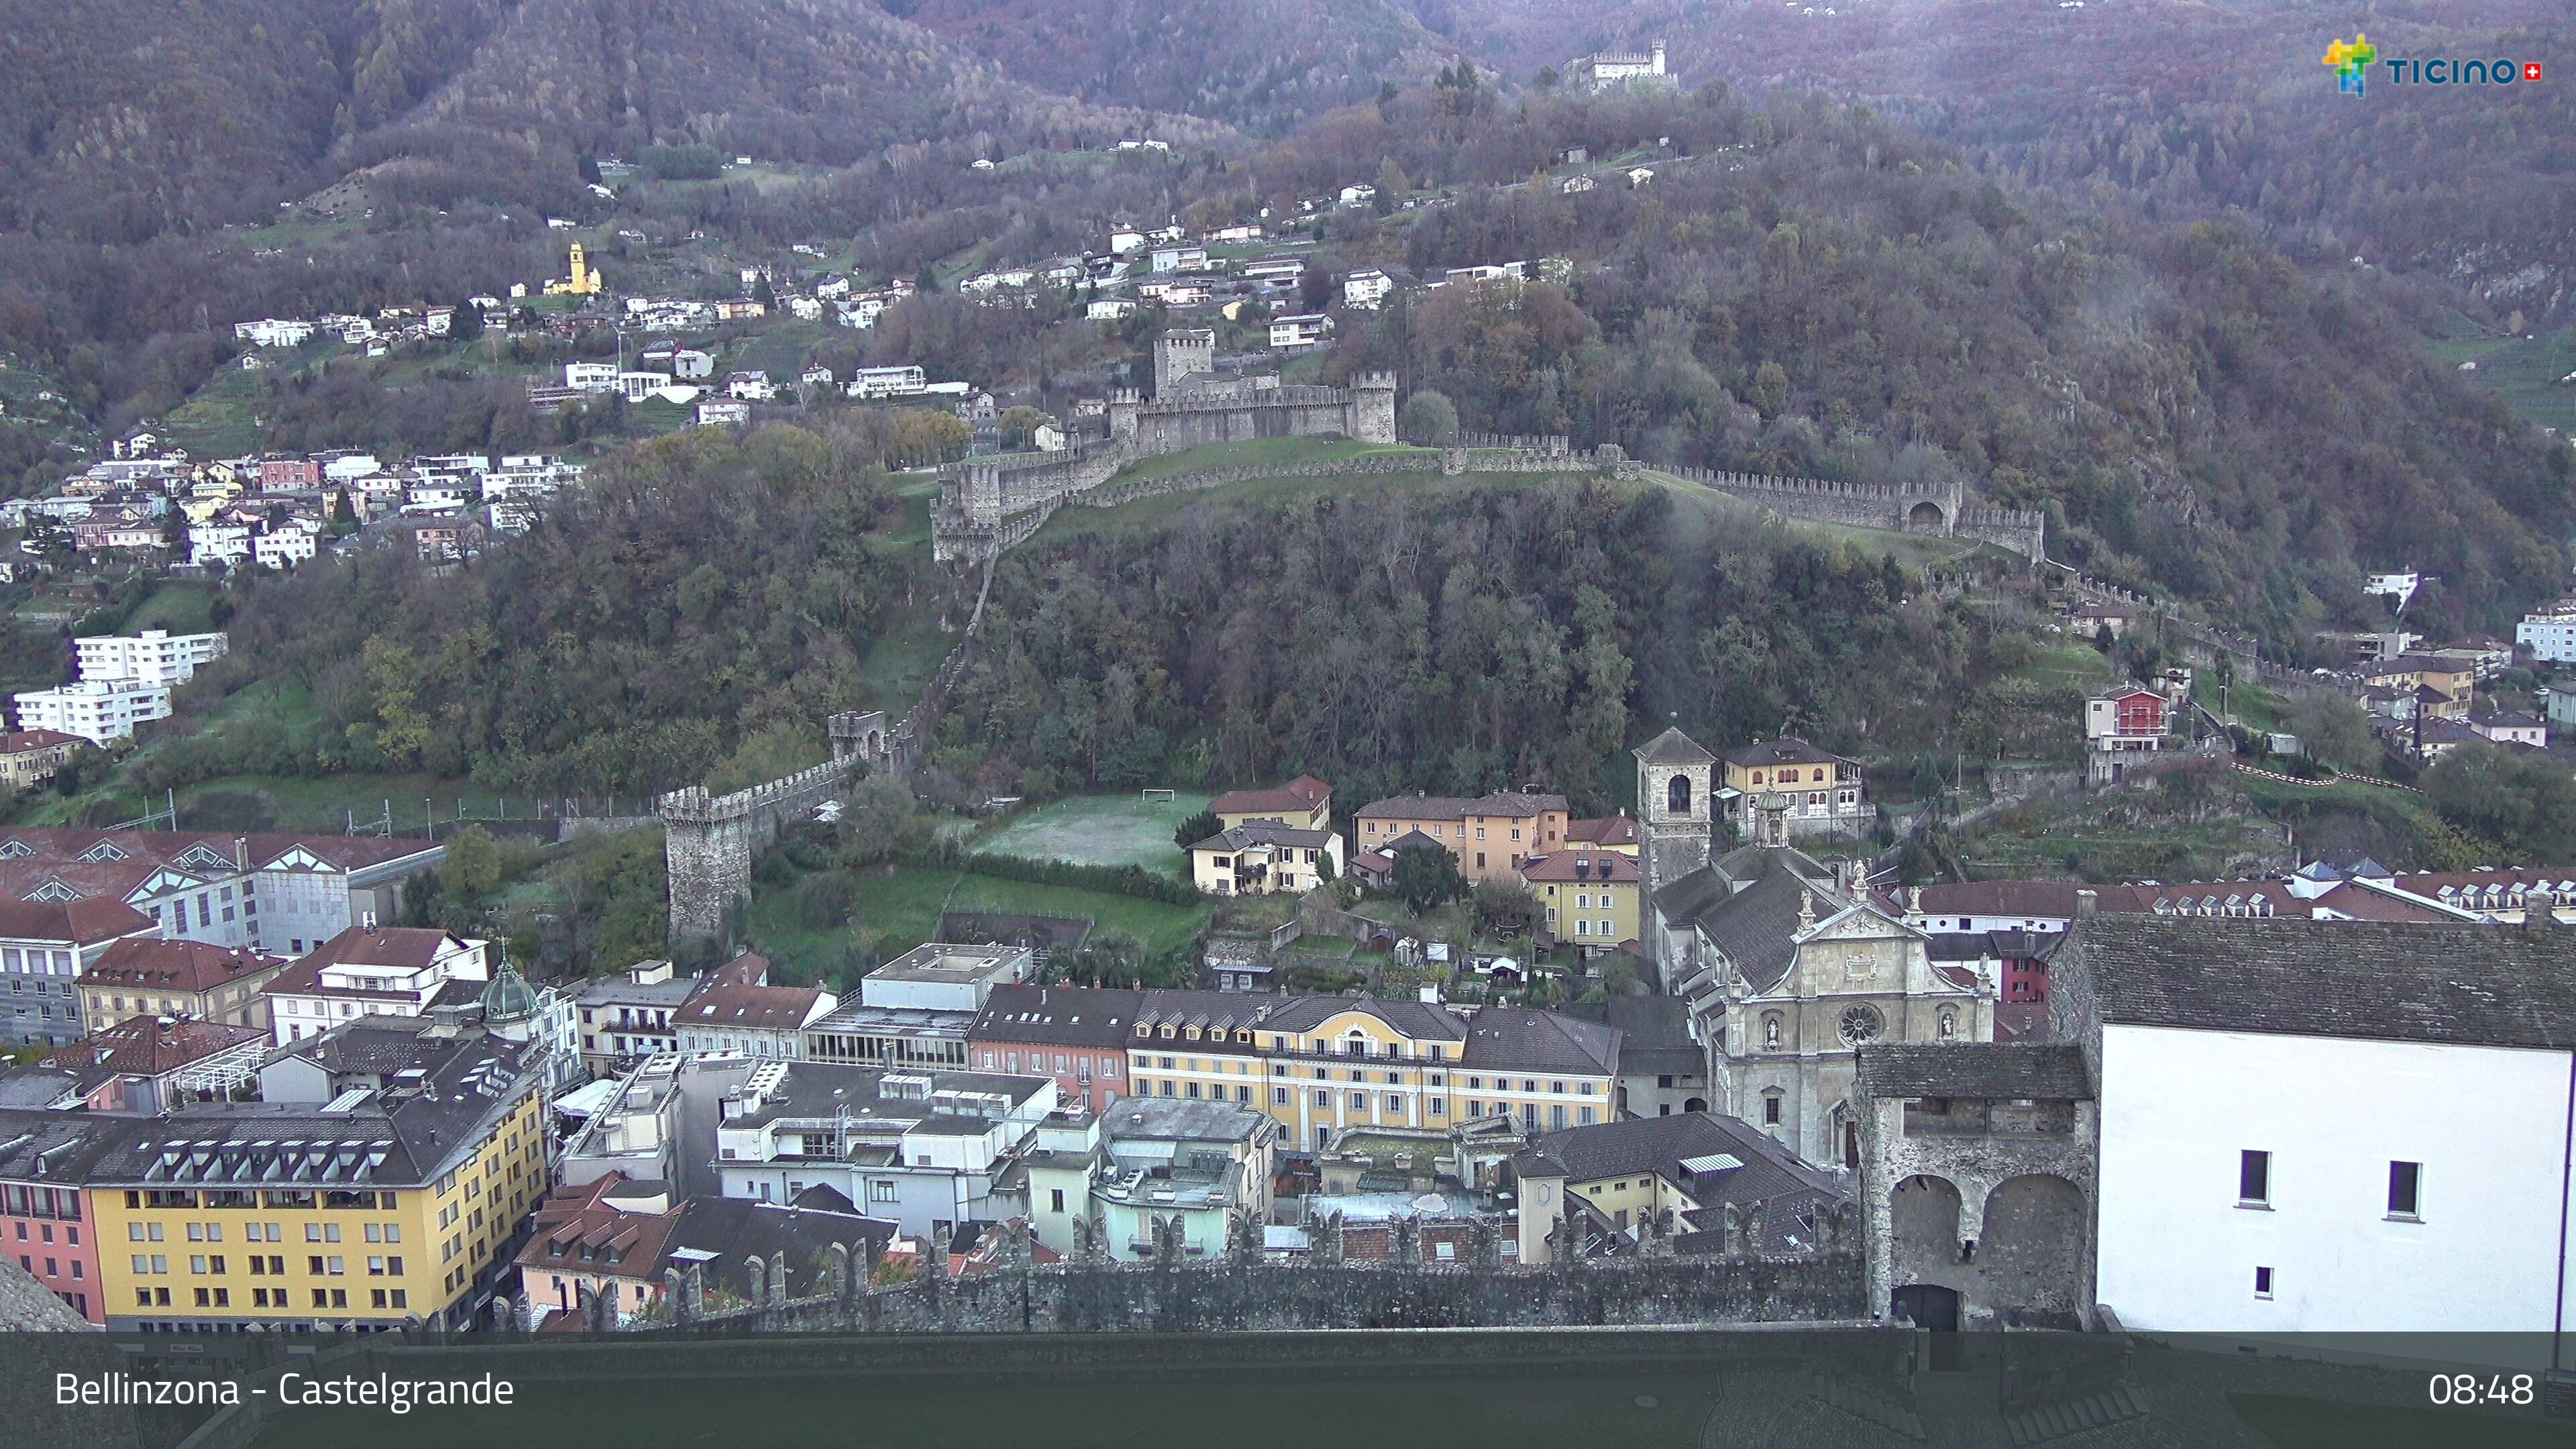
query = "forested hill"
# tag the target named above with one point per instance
(2186, 106)
(1259, 64)
(1809, 289)
(123, 118)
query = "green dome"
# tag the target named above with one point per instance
(509, 998)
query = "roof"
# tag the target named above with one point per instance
(1419, 1020)
(408, 947)
(2468, 985)
(1179, 1119)
(29, 1306)
(1764, 1170)
(1298, 796)
(1502, 804)
(20, 741)
(1603, 830)
(1654, 1033)
(1595, 866)
(1521, 1039)
(2051, 1072)
(176, 965)
(1748, 904)
(82, 922)
(1672, 747)
(2030, 898)
(1253, 834)
(1083, 1016)
(1786, 750)
(751, 1008)
(145, 1046)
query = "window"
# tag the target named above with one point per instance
(1771, 1109)
(2262, 1282)
(1056, 1196)
(1395, 1103)
(1359, 1101)
(2405, 1184)
(2254, 1180)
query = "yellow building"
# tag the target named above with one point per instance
(1492, 835)
(392, 1209)
(1305, 803)
(1585, 897)
(1262, 858)
(29, 758)
(1322, 1064)
(583, 282)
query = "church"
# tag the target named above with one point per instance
(1787, 966)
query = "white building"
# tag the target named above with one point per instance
(2318, 1125)
(155, 656)
(97, 710)
(1365, 290)
(723, 413)
(590, 376)
(284, 546)
(2549, 632)
(371, 970)
(2398, 588)
(877, 382)
(1605, 70)
(272, 332)
(1297, 333)
(635, 387)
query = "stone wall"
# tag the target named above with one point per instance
(1942, 509)
(709, 842)
(1991, 1201)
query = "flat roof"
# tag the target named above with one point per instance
(949, 963)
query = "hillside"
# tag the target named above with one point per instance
(1259, 64)
(2232, 112)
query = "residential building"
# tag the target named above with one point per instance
(196, 980)
(1321, 1065)
(1305, 802)
(739, 1011)
(613, 1239)
(630, 1016)
(2119, 727)
(1679, 1177)
(1608, 832)
(2549, 632)
(47, 1220)
(916, 1011)
(1200, 1167)
(1300, 331)
(154, 656)
(924, 1150)
(2512, 727)
(1076, 1034)
(44, 948)
(591, 376)
(1492, 835)
(1366, 290)
(97, 710)
(1264, 858)
(371, 970)
(376, 1208)
(2558, 703)
(1585, 897)
(883, 382)
(2285, 1097)
(1663, 1066)
(1606, 70)
(29, 758)
(723, 413)
(1787, 791)
(159, 1062)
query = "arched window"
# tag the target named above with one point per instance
(1677, 796)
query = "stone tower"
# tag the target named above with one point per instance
(1672, 817)
(1371, 407)
(1182, 352)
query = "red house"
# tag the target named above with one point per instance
(1075, 1034)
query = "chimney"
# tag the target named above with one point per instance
(2088, 904)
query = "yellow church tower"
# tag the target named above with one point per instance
(582, 283)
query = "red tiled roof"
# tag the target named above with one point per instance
(1299, 795)
(174, 965)
(21, 741)
(1602, 865)
(81, 922)
(1602, 830)
(775, 1008)
(410, 947)
(145, 1046)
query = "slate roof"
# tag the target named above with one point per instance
(1253, 834)
(175, 965)
(1598, 866)
(1948, 946)
(1755, 926)
(1420, 1020)
(27, 1306)
(1654, 1033)
(1502, 804)
(1083, 1016)
(1521, 1039)
(1786, 750)
(1672, 747)
(2032, 898)
(1770, 1174)
(1225, 1010)
(2475, 985)
(2010, 1071)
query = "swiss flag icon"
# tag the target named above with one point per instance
(2531, 70)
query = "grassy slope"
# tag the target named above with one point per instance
(901, 906)
(1102, 830)
(2525, 373)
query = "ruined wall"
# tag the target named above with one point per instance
(1986, 1199)
(708, 842)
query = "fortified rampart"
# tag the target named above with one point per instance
(709, 842)
(1941, 509)
(1245, 1293)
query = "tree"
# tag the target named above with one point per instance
(1197, 828)
(1019, 426)
(2526, 803)
(1426, 876)
(466, 324)
(1504, 907)
(879, 820)
(1547, 79)
(2332, 730)
(1429, 418)
(765, 294)
(472, 865)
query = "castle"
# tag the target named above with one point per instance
(987, 503)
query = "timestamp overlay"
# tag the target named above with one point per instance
(1476, 1389)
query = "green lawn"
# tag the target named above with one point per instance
(2525, 373)
(1273, 451)
(2294, 1423)
(900, 906)
(1119, 829)
(2070, 666)
(179, 608)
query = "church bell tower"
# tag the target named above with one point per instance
(1672, 820)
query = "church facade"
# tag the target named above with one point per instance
(1786, 966)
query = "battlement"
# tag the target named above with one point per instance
(692, 805)
(1373, 382)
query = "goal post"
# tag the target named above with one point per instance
(1157, 792)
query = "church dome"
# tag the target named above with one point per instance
(509, 998)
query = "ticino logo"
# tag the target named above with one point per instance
(2351, 61)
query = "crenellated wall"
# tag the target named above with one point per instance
(1940, 509)
(709, 842)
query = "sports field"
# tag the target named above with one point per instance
(1102, 830)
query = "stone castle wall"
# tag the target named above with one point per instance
(1942, 510)
(709, 842)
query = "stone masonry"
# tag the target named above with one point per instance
(709, 842)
